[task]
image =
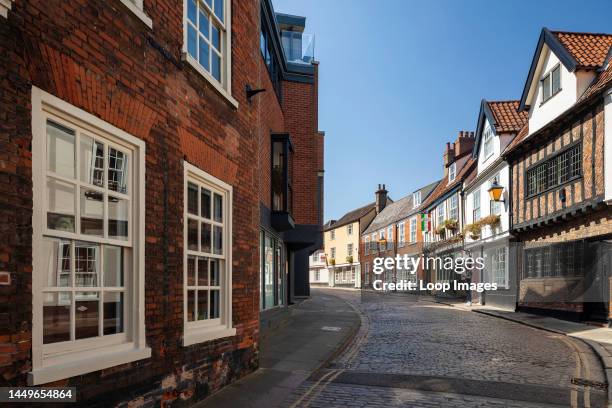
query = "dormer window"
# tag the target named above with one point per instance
(416, 199)
(551, 83)
(488, 143)
(452, 172)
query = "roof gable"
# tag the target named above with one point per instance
(552, 42)
(503, 116)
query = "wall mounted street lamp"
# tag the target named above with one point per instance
(382, 243)
(495, 191)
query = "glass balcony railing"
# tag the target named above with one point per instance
(298, 47)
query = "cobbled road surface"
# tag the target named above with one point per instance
(412, 352)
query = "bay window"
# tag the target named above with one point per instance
(88, 242)
(207, 257)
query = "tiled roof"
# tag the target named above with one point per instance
(603, 80)
(507, 116)
(588, 49)
(398, 210)
(352, 216)
(445, 186)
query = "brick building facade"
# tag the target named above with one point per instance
(134, 161)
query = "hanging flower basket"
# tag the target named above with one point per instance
(473, 230)
(451, 224)
(440, 230)
(332, 261)
(491, 220)
(349, 259)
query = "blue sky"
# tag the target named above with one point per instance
(400, 78)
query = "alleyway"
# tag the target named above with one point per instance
(421, 354)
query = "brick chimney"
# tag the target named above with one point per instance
(449, 154)
(464, 143)
(381, 198)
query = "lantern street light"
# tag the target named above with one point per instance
(495, 191)
(382, 243)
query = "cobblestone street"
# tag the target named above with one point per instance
(413, 353)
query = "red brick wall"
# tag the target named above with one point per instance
(99, 57)
(300, 106)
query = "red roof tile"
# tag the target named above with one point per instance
(507, 116)
(588, 49)
(603, 80)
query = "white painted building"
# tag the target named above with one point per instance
(487, 221)
(318, 272)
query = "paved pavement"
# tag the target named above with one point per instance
(316, 330)
(421, 354)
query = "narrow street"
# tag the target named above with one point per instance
(413, 353)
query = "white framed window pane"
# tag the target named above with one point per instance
(205, 236)
(192, 11)
(191, 271)
(218, 240)
(202, 272)
(118, 216)
(113, 266)
(58, 256)
(205, 196)
(218, 208)
(202, 304)
(87, 264)
(60, 150)
(215, 279)
(92, 212)
(56, 317)
(219, 9)
(60, 205)
(556, 79)
(192, 234)
(215, 300)
(86, 315)
(546, 87)
(191, 305)
(216, 66)
(192, 41)
(215, 38)
(203, 24)
(113, 313)
(204, 54)
(91, 157)
(117, 170)
(192, 199)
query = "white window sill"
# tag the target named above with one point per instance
(138, 12)
(87, 362)
(218, 87)
(195, 336)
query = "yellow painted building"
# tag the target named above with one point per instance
(341, 245)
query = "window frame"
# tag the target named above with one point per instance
(539, 172)
(137, 7)
(495, 270)
(68, 359)
(452, 172)
(401, 234)
(488, 147)
(413, 230)
(476, 209)
(366, 241)
(223, 87)
(549, 75)
(332, 235)
(416, 199)
(332, 253)
(349, 229)
(202, 331)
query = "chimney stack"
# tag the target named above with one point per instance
(381, 198)
(464, 143)
(449, 154)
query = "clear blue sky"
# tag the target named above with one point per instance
(400, 78)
